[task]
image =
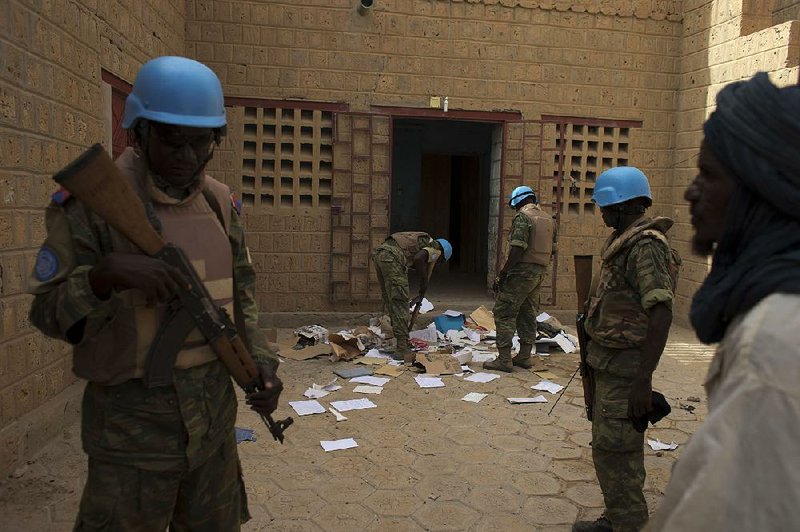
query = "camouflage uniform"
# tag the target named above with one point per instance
(635, 275)
(392, 266)
(156, 455)
(517, 302)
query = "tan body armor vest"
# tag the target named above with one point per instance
(540, 242)
(409, 243)
(118, 351)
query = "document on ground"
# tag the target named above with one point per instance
(352, 404)
(429, 382)
(474, 397)
(363, 388)
(482, 377)
(564, 343)
(523, 400)
(337, 445)
(372, 381)
(424, 308)
(305, 408)
(547, 386)
(658, 445)
(453, 313)
(544, 316)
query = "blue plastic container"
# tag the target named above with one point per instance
(446, 323)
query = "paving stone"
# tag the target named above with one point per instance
(511, 443)
(382, 477)
(343, 489)
(525, 461)
(391, 456)
(536, 483)
(560, 449)
(446, 515)
(344, 517)
(549, 511)
(572, 470)
(587, 494)
(295, 504)
(444, 487)
(395, 502)
(486, 474)
(495, 500)
(395, 524)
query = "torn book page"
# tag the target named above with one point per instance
(429, 382)
(353, 404)
(373, 381)
(321, 390)
(305, 408)
(482, 377)
(337, 445)
(474, 397)
(364, 388)
(428, 334)
(658, 445)
(483, 318)
(339, 417)
(474, 336)
(453, 313)
(424, 308)
(564, 343)
(547, 386)
(524, 400)
(544, 316)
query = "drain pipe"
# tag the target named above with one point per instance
(365, 6)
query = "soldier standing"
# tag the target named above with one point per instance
(518, 284)
(393, 258)
(628, 321)
(158, 456)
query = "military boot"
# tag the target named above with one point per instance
(502, 362)
(600, 525)
(523, 359)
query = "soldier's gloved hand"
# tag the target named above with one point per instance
(416, 301)
(498, 283)
(266, 401)
(158, 280)
(640, 401)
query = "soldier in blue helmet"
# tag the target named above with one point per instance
(393, 258)
(162, 456)
(517, 286)
(628, 320)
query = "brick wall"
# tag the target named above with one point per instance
(718, 48)
(51, 56)
(613, 60)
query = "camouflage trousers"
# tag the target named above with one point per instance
(516, 305)
(393, 277)
(211, 497)
(618, 453)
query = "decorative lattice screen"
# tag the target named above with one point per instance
(287, 158)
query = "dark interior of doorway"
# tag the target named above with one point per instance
(440, 185)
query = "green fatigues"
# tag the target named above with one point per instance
(632, 280)
(153, 452)
(517, 302)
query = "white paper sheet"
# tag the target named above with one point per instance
(318, 391)
(429, 382)
(372, 381)
(564, 343)
(374, 353)
(547, 386)
(424, 308)
(377, 331)
(474, 397)
(305, 408)
(339, 417)
(483, 356)
(658, 445)
(482, 377)
(454, 335)
(363, 388)
(428, 334)
(337, 445)
(523, 400)
(453, 313)
(474, 336)
(352, 404)
(544, 316)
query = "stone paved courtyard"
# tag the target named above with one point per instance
(425, 459)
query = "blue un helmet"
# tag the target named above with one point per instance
(446, 248)
(519, 194)
(620, 184)
(176, 91)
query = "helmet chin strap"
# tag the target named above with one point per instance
(623, 211)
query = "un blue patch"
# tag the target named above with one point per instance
(46, 264)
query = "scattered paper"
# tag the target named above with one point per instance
(287, 350)
(545, 374)
(483, 356)
(474, 336)
(305, 408)
(349, 373)
(454, 335)
(363, 388)
(429, 382)
(424, 308)
(564, 343)
(547, 386)
(371, 361)
(482, 377)
(377, 331)
(439, 363)
(374, 381)
(453, 313)
(427, 334)
(544, 316)
(339, 417)
(244, 435)
(474, 397)
(464, 356)
(523, 400)
(337, 445)
(467, 369)
(352, 404)
(658, 445)
(318, 391)
(390, 370)
(484, 318)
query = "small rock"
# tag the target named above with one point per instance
(659, 453)
(693, 399)
(19, 472)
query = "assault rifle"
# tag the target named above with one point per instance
(583, 280)
(95, 180)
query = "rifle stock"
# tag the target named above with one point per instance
(95, 180)
(583, 280)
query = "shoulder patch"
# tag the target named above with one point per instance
(61, 196)
(236, 203)
(46, 265)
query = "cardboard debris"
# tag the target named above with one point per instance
(345, 346)
(312, 334)
(546, 374)
(483, 318)
(439, 363)
(389, 370)
(371, 361)
(307, 353)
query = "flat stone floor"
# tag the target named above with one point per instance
(426, 460)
